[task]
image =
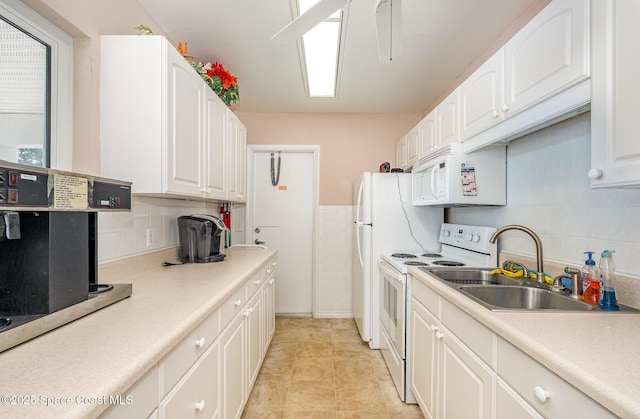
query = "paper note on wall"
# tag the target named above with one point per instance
(468, 175)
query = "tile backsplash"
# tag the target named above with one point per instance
(124, 234)
(549, 192)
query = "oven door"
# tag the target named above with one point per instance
(393, 294)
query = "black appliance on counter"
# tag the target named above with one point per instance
(200, 236)
(49, 249)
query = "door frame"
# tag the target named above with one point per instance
(315, 149)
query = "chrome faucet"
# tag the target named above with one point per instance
(535, 238)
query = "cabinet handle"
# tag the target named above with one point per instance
(200, 342)
(439, 335)
(257, 282)
(434, 328)
(200, 406)
(594, 174)
(495, 114)
(270, 281)
(238, 196)
(237, 303)
(268, 271)
(541, 394)
(505, 107)
(248, 312)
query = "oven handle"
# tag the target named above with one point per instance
(392, 272)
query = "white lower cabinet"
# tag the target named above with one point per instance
(461, 369)
(232, 369)
(443, 368)
(210, 373)
(196, 395)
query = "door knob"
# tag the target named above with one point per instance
(258, 241)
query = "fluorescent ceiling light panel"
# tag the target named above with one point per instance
(321, 48)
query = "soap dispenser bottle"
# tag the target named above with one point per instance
(607, 282)
(590, 280)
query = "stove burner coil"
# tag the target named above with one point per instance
(99, 288)
(415, 263)
(403, 255)
(432, 255)
(4, 322)
(447, 263)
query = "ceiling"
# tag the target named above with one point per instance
(441, 37)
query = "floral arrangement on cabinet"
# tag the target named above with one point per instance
(223, 83)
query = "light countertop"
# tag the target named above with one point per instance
(106, 352)
(595, 352)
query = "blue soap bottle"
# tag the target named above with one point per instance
(607, 282)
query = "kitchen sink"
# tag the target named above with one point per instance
(502, 297)
(500, 293)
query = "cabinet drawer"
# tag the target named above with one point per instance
(476, 336)
(255, 283)
(531, 380)
(143, 395)
(425, 295)
(196, 395)
(178, 361)
(233, 305)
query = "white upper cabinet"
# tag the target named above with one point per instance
(402, 160)
(482, 97)
(448, 130)
(414, 144)
(162, 127)
(428, 133)
(615, 149)
(544, 78)
(549, 54)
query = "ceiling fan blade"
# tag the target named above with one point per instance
(388, 15)
(308, 20)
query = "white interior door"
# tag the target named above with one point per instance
(283, 220)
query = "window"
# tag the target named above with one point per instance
(36, 79)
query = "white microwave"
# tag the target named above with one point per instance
(449, 177)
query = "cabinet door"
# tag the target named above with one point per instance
(424, 358)
(615, 149)
(548, 55)
(428, 134)
(269, 307)
(215, 146)
(184, 124)
(447, 120)
(510, 405)
(413, 145)
(401, 153)
(463, 374)
(232, 369)
(482, 97)
(253, 330)
(237, 141)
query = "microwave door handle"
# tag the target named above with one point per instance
(359, 223)
(433, 181)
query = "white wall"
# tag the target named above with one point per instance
(548, 191)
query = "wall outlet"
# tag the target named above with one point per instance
(150, 237)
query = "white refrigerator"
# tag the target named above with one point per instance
(385, 221)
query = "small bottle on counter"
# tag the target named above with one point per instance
(590, 280)
(607, 282)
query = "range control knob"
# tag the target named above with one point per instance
(446, 233)
(475, 238)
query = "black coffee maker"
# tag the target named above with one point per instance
(49, 247)
(200, 236)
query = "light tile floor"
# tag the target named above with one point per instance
(320, 368)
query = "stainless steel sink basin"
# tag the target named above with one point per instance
(472, 277)
(523, 298)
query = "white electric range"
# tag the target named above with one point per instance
(462, 246)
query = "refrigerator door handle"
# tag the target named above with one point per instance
(359, 223)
